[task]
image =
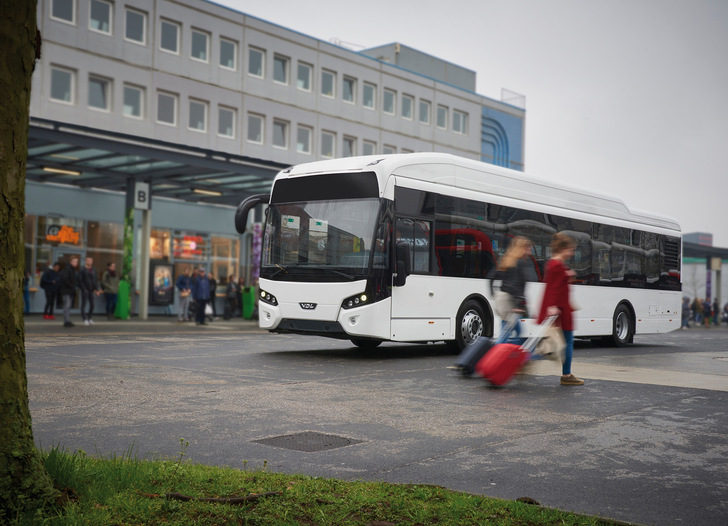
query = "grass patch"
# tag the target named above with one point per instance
(124, 490)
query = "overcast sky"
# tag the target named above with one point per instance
(623, 97)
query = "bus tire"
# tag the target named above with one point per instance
(470, 323)
(365, 344)
(622, 327)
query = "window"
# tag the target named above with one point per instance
(226, 122)
(63, 10)
(228, 53)
(200, 45)
(169, 37)
(255, 128)
(369, 148)
(256, 60)
(280, 134)
(304, 76)
(408, 103)
(328, 83)
(280, 69)
(349, 93)
(389, 100)
(369, 95)
(417, 234)
(303, 139)
(424, 112)
(133, 101)
(98, 93)
(328, 144)
(100, 17)
(442, 117)
(460, 122)
(167, 108)
(136, 26)
(349, 147)
(62, 85)
(198, 116)
(387, 149)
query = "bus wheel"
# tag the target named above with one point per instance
(469, 324)
(622, 331)
(366, 345)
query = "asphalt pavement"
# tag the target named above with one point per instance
(644, 441)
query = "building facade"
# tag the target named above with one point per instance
(205, 104)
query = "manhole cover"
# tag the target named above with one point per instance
(308, 441)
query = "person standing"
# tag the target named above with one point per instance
(50, 282)
(685, 313)
(69, 283)
(232, 292)
(110, 284)
(184, 285)
(213, 291)
(556, 300)
(89, 285)
(201, 295)
(26, 293)
(716, 312)
(510, 300)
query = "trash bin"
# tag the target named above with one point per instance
(248, 294)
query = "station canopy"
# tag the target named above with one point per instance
(91, 158)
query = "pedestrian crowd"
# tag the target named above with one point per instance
(703, 313)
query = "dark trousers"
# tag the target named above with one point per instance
(200, 314)
(87, 297)
(50, 301)
(110, 303)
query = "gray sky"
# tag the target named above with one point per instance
(623, 97)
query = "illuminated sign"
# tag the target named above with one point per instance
(191, 247)
(63, 234)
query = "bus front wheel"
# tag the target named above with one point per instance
(622, 327)
(470, 324)
(366, 345)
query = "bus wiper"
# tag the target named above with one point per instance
(344, 274)
(280, 269)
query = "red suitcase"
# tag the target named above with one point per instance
(501, 362)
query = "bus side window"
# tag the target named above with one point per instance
(417, 233)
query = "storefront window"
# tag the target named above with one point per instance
(159, 244)
(191, 246)
(105, 244)
(225, 253)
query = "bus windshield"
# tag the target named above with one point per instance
(324, 234)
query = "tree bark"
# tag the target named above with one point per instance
(24, 482)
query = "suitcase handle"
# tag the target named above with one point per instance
(530, 344)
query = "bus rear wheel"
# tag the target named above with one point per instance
(470, 324)
(366, 345)
(622, 328)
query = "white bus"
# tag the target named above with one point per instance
(397, 248)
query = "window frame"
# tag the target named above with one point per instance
(110, 21)
(368, 86)
(386, 147)
(141, 92)
(332, 95)
(175, 108)
(194, 31)
(178, 35)
(234, 44)
(285, 69)
(428, 105)
(127, 11)
(107, 93)
(261, 52)
(261, 119)
(393, 94)
(350, 82)
(234, 114)
(309, 130)
(308, 67)
(350, 142)
(72, 21)
(373, 146)
(411, 101)
(71, 85)
(285, 126)
(324, 135)
(205, 118)
(464, 120)
(446, 111)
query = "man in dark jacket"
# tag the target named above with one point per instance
(69, 283)
(50, 282)
(88, 282)
(201, 295)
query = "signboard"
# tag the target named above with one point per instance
(63, 234)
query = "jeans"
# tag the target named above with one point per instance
(50, 302)
(87, 297)
(184, 306)
(67, 302)
(110, 303)
(505, 337)
(200, 316)
(568, 352)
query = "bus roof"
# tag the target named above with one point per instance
(468, 174)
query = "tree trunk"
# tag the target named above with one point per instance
(24, 482)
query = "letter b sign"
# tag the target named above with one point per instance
(142, 197)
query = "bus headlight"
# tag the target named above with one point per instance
(267, 297)
(355, 301)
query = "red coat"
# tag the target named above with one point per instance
(557, 294)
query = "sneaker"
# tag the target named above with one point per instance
(90, 321)
(68, 324)
(51, 317)
(571, 380)
(45, 317)
(86, 322)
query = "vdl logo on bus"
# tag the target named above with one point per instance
(308, 306)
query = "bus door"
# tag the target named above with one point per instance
(419, 307)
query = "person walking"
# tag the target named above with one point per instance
(68, 286)
(89, 285)
(184, 285)
(685, 313)
(50, 283)
(201, 295)
(556, 299)
(110, 285)
(510, 300)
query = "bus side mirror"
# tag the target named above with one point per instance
(241, 215)
(404, 263)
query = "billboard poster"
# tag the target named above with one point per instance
(162, 283)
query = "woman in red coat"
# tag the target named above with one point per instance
(556, 299)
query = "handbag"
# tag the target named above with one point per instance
(552, 345)
(184, 293)
(208, 309)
